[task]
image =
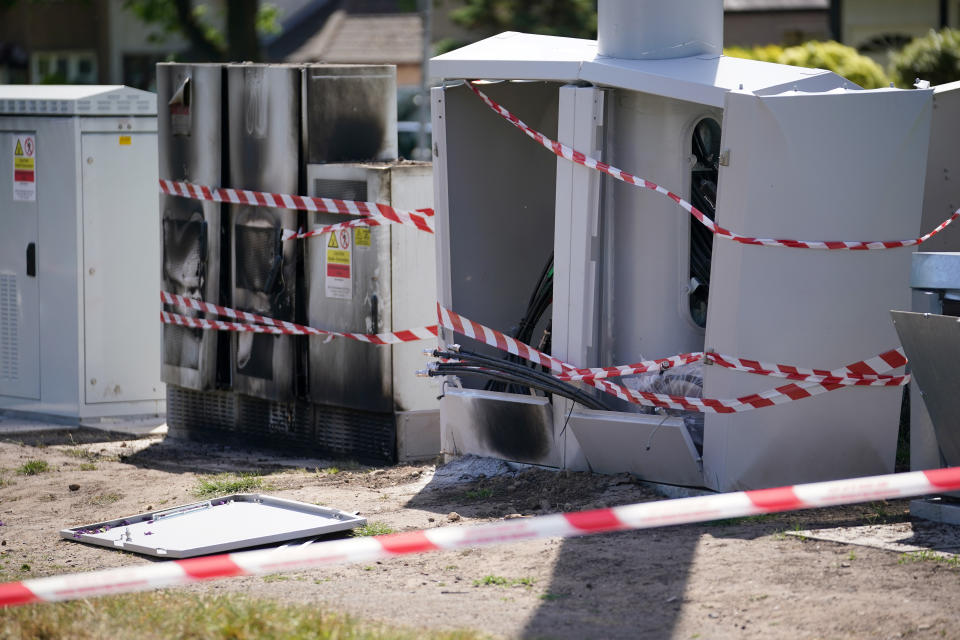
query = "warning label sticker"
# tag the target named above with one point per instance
(361, 236)
(339, 283)
(24, 169)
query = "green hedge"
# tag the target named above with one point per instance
(833, 56)
(934, 57)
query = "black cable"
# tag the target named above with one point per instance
(558, 388)
(524, 373)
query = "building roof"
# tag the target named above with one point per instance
(365, 39)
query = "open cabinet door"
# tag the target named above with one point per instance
(840, 165)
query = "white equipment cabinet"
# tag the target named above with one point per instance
(79, 252)
(769, 150)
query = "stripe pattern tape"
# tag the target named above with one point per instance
(374, 214)
(644, 515)
(814, 384)
(581, 158)
(243, 321)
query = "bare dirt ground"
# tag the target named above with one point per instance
(752, 578)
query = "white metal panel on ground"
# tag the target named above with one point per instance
(121, 274)
(835, 166)
(213, 526)
(19, 304)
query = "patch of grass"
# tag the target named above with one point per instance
(878, 512)
(169, 614)
(4, 480)
(276, 577)
(329, 471)
(80, 452)
(33, 467)
(500, 581)
(928, 555)
(372, 529)
(87, 466)
(226, 483)
(478, 494)
(104, 499)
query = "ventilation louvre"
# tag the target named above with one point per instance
(9, 329)
(307, 429)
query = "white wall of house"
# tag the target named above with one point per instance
(864, 20)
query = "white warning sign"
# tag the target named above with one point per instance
(339, 283)
(24, 168)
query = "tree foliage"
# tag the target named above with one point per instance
(244, 20)
(574, 18)
(833, 56)
(934, 57)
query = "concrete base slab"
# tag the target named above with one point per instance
(901, 537)
(936, 509)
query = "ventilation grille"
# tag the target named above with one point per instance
(340, 189)
(300, 427)
(9, 329)
(350, 433)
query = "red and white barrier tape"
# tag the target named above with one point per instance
(644, 515)
(374, 213)
(581, 158)
(839, 378)
(859, 371)
(254, 323)
(864, 371)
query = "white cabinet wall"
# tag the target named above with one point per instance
(79, 252)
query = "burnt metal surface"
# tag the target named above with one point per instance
(190, 134)
(264, 133)
(345, 372)
(504, 425)
(351, 113)
(300, 427)
(932, 343)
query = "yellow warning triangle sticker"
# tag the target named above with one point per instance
(333, 241)
(19, 150)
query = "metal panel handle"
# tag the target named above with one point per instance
(32, 260)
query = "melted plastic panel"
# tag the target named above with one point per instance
(231, 522)
(190, 128)
(264, 131)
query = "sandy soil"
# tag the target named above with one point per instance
(744, 579)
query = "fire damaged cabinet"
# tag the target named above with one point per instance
(264, 142)
(765, 150)
(316, 130)
(189, 122)
(371, 280)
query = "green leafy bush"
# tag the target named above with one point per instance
(934, 57)
(833, 56)
(768, 53)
